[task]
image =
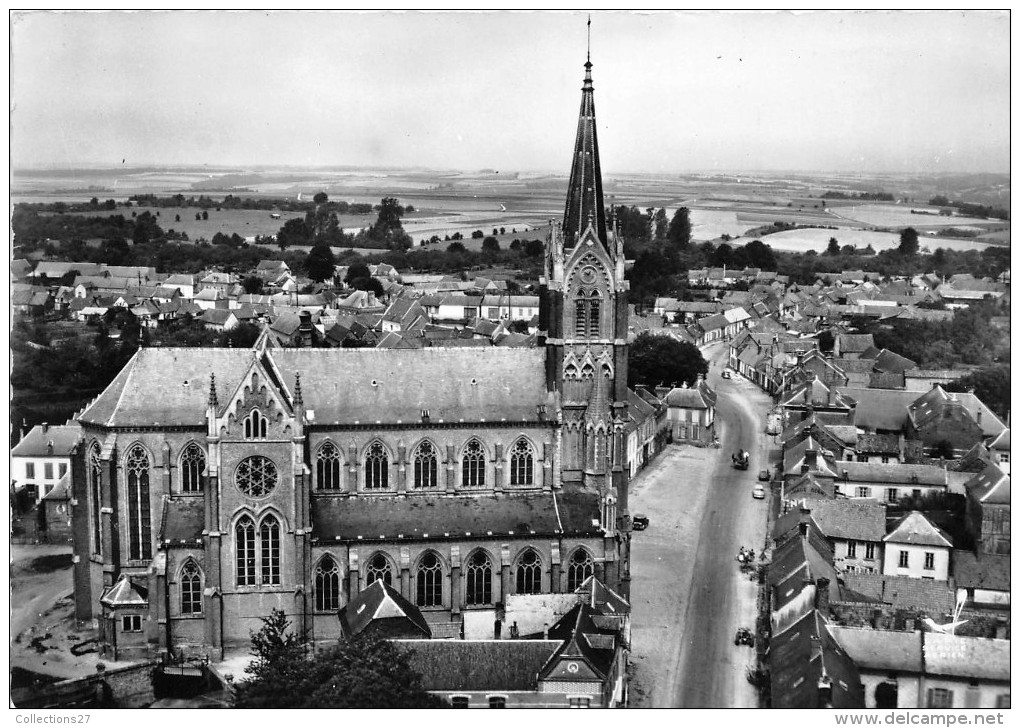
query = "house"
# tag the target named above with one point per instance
(505, 307)
(940, 420)
(814, 395)
(690, 412)
(183, 282)
(809, 669)
(270, 271)
(886, 411)
(982, 580)
(888, 482)
(644, 430)
(988, 510)
(55, 513)
(31, 301)
(922, 380)
(210, 298)
(219, 319)
(928, 670)
(43, 457)
(854, 528)
(917, 548)
(217, 281)
(999, 450)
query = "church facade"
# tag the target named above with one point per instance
(212, 485)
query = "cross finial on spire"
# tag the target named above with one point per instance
(298, 399)
(212, 390)
(589, 37)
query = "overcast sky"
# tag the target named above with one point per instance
(674, 92)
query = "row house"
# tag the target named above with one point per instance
(505, 307)
(42, 458)
(645, 432)
(691, 413)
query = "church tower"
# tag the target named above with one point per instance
(583, 319)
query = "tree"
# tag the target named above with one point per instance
(252, 284)
(361, 672)
(833, 248)
(387, 228)
(490, 245)
(989, 384)
(477, 235)
(533, 248)
(205, 214)
(908, 241)
(320, 197)
(357, 270)
(661, 224)
(294, 232)
(456, 247)
(680, 228)
(320, 263)
(663, 361)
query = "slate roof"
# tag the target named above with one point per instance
(568, 511)
(36, 443)
(886, 380)
(796, 456)
(170, 386)
(855, 343)
(917, 530)
(981, 571)
(700, 396)
(584, 640)
(125, 594)
(878, 444)
(892, 473)
(800, 656)
(479, 665)
(183, 520)
(935, 598)
(991, 486)
(890, 361)
(853, 519)
(379, 601)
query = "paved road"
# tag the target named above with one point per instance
(688, 594)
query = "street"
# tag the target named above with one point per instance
(688, 594)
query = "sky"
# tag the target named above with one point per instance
(675, 92)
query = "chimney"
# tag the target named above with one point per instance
(822, 596)
(979, 416)
(545, 631)
(305, 328)
(45, 426)
(824, 690)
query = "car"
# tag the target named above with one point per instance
(726, 374)
(765, 475)
(744, 636)
(758, 492)
(640, 521)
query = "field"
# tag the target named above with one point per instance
(449, 202)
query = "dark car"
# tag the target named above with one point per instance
(640, 521)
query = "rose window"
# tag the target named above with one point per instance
(256, 476)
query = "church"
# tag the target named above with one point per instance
(211, 486)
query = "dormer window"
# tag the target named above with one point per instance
(255, 426)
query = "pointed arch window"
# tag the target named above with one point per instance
(529, 573)
(269, 543)
(426, 466)
(139, 507)
(581, 566)
(327, 585)
(473, 465)
(522, 463)
(328, 467)
(479, 579)
(587, 313)
(255, 426)
(96, 497)
(193, 469)
(594, 312)
(191, 589)
(378, 568)
(244, 543)
(429, 580)
(376, 468)
(581, 318)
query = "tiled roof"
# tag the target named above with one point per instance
(889, 361)
(37, 443)
(699, 396)
(878, 444)
(886, 380)
(798, 659)
(855, 343)
(858, 520)
(892, 473)
(991, 486)
(568, 511)
(935, 598)
(479, 665)
(981, 571)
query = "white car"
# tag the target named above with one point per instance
(759, 491)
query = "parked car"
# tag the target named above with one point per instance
(726, 374)
(765, 475)
(759, 491)
(640, 521)
(744, 636)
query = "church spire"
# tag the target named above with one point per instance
(584, 192)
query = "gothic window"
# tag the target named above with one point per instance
(327, 467)
(193, 469)
(430, 581)
(191, 589)
(327, 585)
(95, 491)
(255, 426)
(473, 465)
(580, 568)
(529, 573)
(479, 579)
(269, 543)
(244, 542)
(256, 476)
(522, 464)
(378, 568)
(587, 371)
(376, 468)
(426, 466)
(581, 318)
(594, 327)
(139, 508)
